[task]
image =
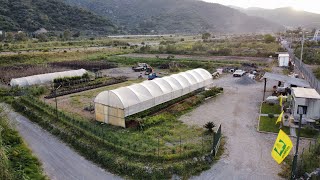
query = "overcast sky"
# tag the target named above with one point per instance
(306, 5)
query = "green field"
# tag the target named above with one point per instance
(270, 108)
(269, 125)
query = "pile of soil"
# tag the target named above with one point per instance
(245, 80)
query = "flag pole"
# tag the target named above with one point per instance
(301, 111)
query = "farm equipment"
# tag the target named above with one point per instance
(215, 75)
(140, 67)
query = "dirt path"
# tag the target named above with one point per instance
(59, 161)
(247, 153)
(52, 50)
(205, 58)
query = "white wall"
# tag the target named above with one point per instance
(313, 107)
(283, 61)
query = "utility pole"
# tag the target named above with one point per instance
(302, 43)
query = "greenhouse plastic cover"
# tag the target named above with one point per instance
(45, 78)
(139, 97)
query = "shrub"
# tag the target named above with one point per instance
(271, 116)
(210, 125)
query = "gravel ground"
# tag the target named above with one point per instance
(59, 161)
(247, 154)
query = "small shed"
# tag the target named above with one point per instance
(283, 60)
(306, 97)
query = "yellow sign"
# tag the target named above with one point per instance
(282, 147)
(280, 100)
(280, 117)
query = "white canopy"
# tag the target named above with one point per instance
(139, 97)
(45, 78)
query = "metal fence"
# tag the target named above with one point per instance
(304, 70)
(216, 142)
(307, 73)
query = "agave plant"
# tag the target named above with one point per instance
(210, 125)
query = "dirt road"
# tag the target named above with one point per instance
(247, 153)
(203, 58)
(59, 161)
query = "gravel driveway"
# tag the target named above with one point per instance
(247, 154)
(59, 161)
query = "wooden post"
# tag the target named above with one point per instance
(264, 89)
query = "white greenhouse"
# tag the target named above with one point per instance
(113, 106)
(45, 78)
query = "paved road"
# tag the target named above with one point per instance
(247, 153)
(59, 161)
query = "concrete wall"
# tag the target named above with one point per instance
(110, 115)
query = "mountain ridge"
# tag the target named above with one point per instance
(54, 15)
(286, 16)
(179, 16)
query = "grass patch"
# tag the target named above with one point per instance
(183, 63)
(47, 57)
(16, 159)
(308, 132)
(270, 109)
(269, 125)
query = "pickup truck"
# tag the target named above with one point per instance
(239, 73)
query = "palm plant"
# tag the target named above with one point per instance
(210, 125)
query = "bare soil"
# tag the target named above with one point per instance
(203, 58)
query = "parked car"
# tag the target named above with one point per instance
(239, 73)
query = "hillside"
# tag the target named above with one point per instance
(30, 15)
(286, 16)
(167, 16)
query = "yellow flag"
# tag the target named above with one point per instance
(280, 101)
(282, 147)
(280, 117)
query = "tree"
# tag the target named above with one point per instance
(2, 37)
(9, 36)
(206, 36)
(21, 36)
(66, 35)
(42, 37)
(268, 38)
(210, 125)
(77, 34)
